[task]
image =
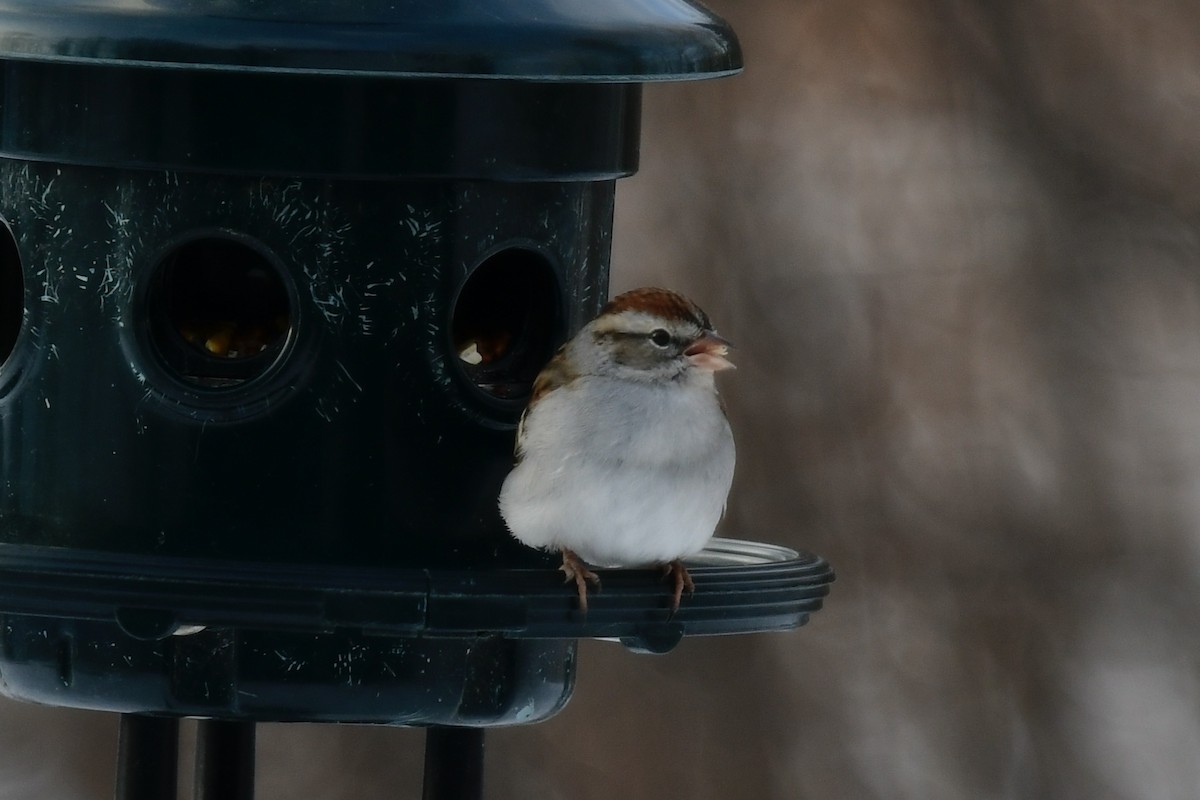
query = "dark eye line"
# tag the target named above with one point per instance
(634, 335)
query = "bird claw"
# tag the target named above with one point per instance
(575, 570)
(682, 579)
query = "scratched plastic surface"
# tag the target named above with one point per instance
(362, 444)
(341, 676)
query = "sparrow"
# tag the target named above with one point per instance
(624, 454)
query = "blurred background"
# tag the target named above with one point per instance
(958, 245)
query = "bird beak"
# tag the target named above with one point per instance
(708, 352)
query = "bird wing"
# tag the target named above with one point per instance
(555, 374)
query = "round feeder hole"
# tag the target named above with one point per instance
(12, 293)
(507, 322)
(219, 312)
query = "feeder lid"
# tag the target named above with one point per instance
(543, 40)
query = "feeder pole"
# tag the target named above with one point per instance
(453, 764)
(224, 760)
(147, 757)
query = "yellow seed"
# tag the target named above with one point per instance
(218, 342)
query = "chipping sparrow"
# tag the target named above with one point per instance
(624, 454)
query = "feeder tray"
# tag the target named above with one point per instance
(742, 587)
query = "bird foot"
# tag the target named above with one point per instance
(575, 570)
(683, 580)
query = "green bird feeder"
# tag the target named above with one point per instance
(275, 279)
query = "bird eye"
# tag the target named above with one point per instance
(660, 337)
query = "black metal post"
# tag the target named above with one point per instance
(147, 758)
(224, 760)
(453, 764)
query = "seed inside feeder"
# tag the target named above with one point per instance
(230, 339)
(219, 306)
(506, 322)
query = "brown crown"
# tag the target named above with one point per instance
(662, 302)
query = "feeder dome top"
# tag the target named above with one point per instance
(532, 40)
